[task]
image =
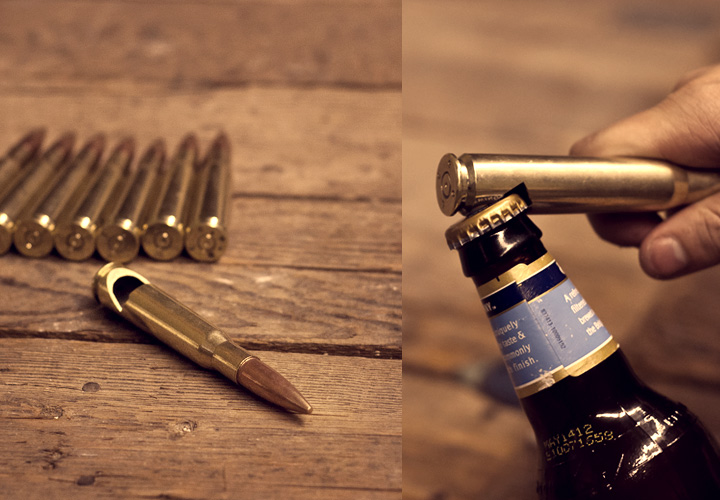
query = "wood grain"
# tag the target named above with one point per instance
(105, 420)
(200, 44)
(323, 143)
(309, 94)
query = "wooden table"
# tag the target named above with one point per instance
(309, 93)
(523, 76)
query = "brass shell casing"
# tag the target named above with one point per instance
(562, 184)
(34, 186)
(75, 236)
(136, 299)
(206, 237)
(119, 239)
(165, 231)
(19, 156)
(33, 235)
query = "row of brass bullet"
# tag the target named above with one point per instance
(80, 204)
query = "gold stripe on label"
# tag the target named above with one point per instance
(576, 369)
(594, 358)
(548, 380)
(517, 274)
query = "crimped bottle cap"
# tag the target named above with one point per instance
(482, 222)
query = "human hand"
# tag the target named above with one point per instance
(683, 128)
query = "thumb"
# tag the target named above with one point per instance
(686, 242)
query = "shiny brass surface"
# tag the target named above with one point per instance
(119, 239)
(134, 298)
(33, 235)
(165, 232)
(21, 154)
(75, 234)
(560, 184)
(33, 188)
(207, 234)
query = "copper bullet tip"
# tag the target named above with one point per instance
(127, 145)
(189, 142)
(28, 146)
(34, 138)
(155, 152)
(96, 143)
(221, 141)
(258, 377)
(66, 141)
(219, 150)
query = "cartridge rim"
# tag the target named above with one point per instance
(163, 241)
(206, 242)
(75, 241)
(485, 221)
(33, 238)
(118, 244)
(6, 233)
(451, 184)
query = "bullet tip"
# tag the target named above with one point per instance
(127, 145)
(154, 152)
(267, 383)
(221, 141)
(96, 142)
(35, 137)
(189, 142)
(66, 141)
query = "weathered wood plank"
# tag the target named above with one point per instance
(190, 44)
(136, 421)
(329, 144)
(261, 307)
(458, 443)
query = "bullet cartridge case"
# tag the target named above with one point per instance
(33, 187)
(164, 235)
(33, 235)
(137, 300)
(19, 156)
(561, 184)
(119, 238)
(75, 235)
(206, 237)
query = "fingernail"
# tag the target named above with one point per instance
(666, 257)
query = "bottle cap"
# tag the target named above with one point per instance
(486, 220)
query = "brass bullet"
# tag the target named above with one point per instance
(33, 187)
(34, 230)
(20, 155)
(134, 298)
(75, 234)
(119, 238)
(206, 237)
(564, 184)
(164, 235)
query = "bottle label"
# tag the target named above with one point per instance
(545, 329)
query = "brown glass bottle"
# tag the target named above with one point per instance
(601, 432)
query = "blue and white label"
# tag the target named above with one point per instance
(544, 327)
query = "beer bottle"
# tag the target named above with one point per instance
(601, 432)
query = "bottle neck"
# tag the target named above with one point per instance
(492, 254)
(545, 330)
